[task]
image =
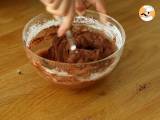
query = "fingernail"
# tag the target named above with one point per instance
(60, 32)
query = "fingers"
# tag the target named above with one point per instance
(56, 4)
(64, 7)
(61, 7)
(67, 21)
(100, 6)
(47, 2)
(57, 7)
(80, 7)
(51, 4)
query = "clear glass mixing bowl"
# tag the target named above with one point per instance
(73, 74)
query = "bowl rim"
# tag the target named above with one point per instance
(85, 63)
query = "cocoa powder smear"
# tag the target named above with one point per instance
(92, 45)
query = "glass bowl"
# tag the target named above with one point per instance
(73, 74)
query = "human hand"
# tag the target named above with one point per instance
(67, 9)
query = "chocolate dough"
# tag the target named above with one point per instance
(91, 45)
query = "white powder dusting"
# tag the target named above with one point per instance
(98, 75)
(36, 28)
(56, 72)
(93, 76)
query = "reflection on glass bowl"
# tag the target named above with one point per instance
(73, 74)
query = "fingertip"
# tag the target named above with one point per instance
(100, 6)
(61, 31)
